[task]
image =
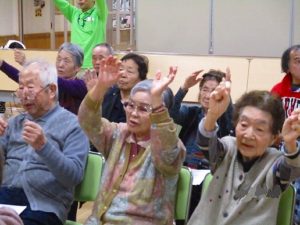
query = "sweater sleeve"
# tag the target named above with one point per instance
(67, 165)
(10, 71)
(168, 151)
(76, 87)
(99, 130)
(179, 113)
(66, 9)
(102, 10)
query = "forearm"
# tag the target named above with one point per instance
(66, 8)
(101, 7)
(10, 71)
(167, 150)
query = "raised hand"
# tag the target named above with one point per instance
(160, 83)
(90, 79)
(291, 131)
(218, 101)
(192, 80)
(109, 71)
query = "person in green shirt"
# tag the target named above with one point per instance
(88, 24)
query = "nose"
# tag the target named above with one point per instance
(249, 133)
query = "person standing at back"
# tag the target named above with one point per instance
(88, 24)
(289, 92)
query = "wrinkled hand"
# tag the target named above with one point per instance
(90, 79)
(192, 80)
(220, 97)
(19, 56)
(291, 130)
(3, 126)
(9, 217)
(160, 83)
(33, 135)
(109, 71)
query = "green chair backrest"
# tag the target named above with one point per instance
(183, 195)
(286, 203)
(88, 188)
(286, 206)
(206, 182)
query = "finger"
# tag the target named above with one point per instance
(198, 72)
(158, 75)
(228, 74)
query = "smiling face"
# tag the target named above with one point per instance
(253, 132)
(138, 114)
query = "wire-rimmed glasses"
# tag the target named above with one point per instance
(141, 108)
(31, 93)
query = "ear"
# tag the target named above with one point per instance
(52, 89)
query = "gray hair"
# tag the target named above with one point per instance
(146, 85)
(107, 46)
(75, 51)
(48, 73)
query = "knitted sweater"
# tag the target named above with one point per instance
(235, 197)
(138, 191)
(48, 176)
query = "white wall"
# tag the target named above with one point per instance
(240, 28)
(9, 17)
(32, 24)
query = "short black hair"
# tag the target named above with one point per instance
(141, 61)
(285, 59)
(216, 75)
(264, 101)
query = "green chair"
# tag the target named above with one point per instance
(88, 189)
(286, 203)
(286, 206)
(183, 195)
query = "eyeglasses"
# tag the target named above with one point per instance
(30, 93)
(141, 108)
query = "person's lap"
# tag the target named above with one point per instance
(14, 196)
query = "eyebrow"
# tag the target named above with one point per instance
(257, 121)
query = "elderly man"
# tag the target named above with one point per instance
(45, 150)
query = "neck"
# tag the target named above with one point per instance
(124, 94)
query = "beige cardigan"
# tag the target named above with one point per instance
(238, 198)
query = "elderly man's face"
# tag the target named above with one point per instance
(35, 98)
(99, 53)
(85, 5)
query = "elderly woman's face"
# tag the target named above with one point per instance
(138, 109)
(65, 65)
(208, 87)
(253, 132)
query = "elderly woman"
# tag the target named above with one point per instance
(248, 174)
(143, 155)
